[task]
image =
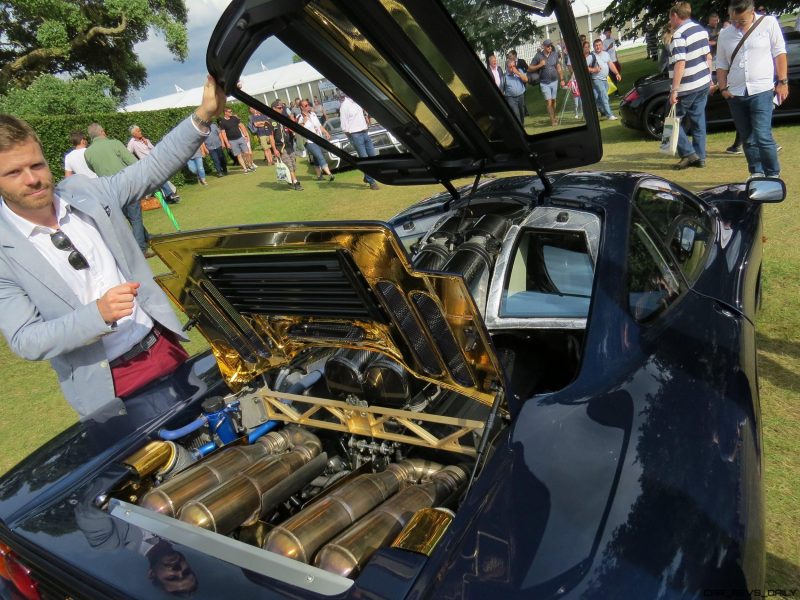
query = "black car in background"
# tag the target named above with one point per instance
(645, 105)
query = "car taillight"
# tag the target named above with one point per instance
(19, 574)
(4, 550)
(631, 96)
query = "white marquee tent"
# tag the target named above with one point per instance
(287, 82)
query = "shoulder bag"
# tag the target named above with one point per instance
(744, 37)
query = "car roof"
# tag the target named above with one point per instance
(412, 68)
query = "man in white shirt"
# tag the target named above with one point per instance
(309, 120)
(75, 288)
(355, 125)
(747, 80)
(496, 71)
(74, 161)
(140, 147)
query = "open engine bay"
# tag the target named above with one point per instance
(366, 385)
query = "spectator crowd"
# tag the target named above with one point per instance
(699, 58)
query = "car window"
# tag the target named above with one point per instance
(652, 279)
(682, 226)
(793, 52)
(551, 276)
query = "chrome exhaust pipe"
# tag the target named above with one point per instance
(304, 533)
(243, 499)
(169, 497)
(347, 553)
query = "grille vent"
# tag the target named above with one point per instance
(310, 284)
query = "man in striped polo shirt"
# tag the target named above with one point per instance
(690, 71)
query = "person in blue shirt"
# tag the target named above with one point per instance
(514, 88)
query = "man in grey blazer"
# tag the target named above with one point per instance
(74, 286)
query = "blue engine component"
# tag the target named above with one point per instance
(221, 425)
(220, 419)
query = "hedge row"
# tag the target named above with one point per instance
(54, 132)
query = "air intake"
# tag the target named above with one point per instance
(409, 327)
(443, 338)
(310, 284)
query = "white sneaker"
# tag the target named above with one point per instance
(612, 118)
(253, 167)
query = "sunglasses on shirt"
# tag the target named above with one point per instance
(76, 260)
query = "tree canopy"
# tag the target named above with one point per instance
(50, 95)
(82, 37)
(652, 15)
(490, 27)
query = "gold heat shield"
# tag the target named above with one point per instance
(263, 294)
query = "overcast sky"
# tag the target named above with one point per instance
(164, 72)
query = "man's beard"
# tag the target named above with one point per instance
(27, 202)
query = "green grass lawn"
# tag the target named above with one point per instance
(32, 410)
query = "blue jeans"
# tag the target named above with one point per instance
(753, 118)
(319, 158)
(691, 109)
(219, 160)
(600, 87)
(364, 148)
(196, 166)
(133, 212)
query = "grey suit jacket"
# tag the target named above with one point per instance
(41, 317)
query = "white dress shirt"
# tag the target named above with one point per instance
(351, 117)
(311, 122)
(87, 284)
(753, 68)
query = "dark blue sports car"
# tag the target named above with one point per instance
(532, 386)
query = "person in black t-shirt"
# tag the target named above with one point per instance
(235, 137)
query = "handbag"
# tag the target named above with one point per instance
(612, 87)
(572, 85)
(669, 135)
(281, 170)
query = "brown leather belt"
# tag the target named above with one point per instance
(143, 345)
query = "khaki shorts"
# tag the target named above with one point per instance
(264, 141)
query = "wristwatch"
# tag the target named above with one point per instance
(783, 81)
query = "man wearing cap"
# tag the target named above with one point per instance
(547, 63)
(74, 287)
(283, 147)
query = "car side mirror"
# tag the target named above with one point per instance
(766, 189)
